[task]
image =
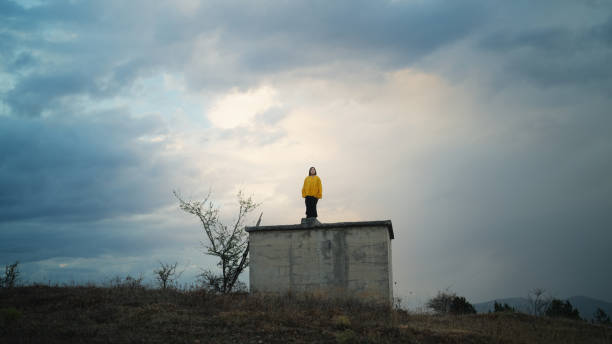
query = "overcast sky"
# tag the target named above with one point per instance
(482, 129)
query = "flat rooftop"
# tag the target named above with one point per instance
(385, 223)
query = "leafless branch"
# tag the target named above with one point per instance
(228, 243)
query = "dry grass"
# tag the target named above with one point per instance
(123, 314)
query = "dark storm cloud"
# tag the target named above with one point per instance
(408, 29)
(110, 49)
(279, 36)
(9, 9)
(34, 240)
(63, 49)
(16, 16)
(23, 60)
(557, 55)
(35, 93)
(77, 169)
(70, 186)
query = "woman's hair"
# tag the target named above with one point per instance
(311, 167)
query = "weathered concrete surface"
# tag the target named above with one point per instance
(344, 259)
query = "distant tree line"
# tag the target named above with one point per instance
(447, 302)
(498, 307)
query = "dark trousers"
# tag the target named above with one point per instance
(311, 206)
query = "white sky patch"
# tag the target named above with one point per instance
(174, 82)
(152, 138)
(339, 126)
(239, 108)
(162, 95)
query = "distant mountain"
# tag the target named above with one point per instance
(585, 305)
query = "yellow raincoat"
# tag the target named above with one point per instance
(312, 187)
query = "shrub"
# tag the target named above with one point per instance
(128, 282)
(560, 309)
(498, 307)
(213, 282)
(450, 303)
(11, 275)
(166, 275)
(600, 317)
(441, 303)
(461, 306)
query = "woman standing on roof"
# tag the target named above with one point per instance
(312, 191)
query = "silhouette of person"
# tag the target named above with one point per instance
(312, 191)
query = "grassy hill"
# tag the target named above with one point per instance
(125, 314)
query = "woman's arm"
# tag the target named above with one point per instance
(304, 188)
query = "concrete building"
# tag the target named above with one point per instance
(331, 259)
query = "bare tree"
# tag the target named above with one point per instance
(11, 275)
(227, 242)
(538, 300)
(166, 275)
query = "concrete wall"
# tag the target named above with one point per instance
(343, 261)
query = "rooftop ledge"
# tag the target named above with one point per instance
(386, 223)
